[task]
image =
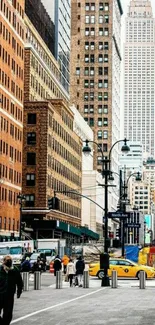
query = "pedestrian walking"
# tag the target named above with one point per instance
(57, 264)
(25, 266)
(80, 265)
(71, 271)
(65, 261)
(10, 281)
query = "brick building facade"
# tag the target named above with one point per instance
(51, 162)
(12, 31)
(95, 70)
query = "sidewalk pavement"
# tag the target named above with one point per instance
(93, 306)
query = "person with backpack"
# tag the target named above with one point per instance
(25, 266)
(10, 281)
(80, 266)
(57, 264)
(70, 271)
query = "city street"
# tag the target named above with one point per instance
(126, 305)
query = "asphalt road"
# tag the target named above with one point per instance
(126, 305)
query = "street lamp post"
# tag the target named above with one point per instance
(106, 165)
(21, 199)
(144, 231)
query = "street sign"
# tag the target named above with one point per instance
(133, 225)
(118, 215)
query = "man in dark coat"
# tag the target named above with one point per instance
(80, 266)
(10, 280)
(57, 264)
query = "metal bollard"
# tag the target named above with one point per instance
(25, 278)
(142, 280)
(86, 279)
(37, 280)
(114, 283)
(59, 280)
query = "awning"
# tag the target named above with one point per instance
(89, 233)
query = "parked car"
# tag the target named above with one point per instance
(124, 268)
(40, 259)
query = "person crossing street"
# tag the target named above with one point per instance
(10, 281)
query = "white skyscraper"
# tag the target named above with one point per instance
(139, 75)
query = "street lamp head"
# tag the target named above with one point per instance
(86, 149)
(138, 177)
(125, 148)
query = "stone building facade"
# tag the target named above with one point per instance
(12, 35)
(52, 161)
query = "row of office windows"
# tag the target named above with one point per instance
(9, 224)
(16, 69)
(100, 122)
(95, 45)
(10, 174)
(100, 109)
(12, 17)
(11, 85)
(64, 171)
(91, 31)
(14, 154)
(8, 127)
(7, 104)
(90, 71)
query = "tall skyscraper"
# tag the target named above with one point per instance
(95, 70)
(139, 82)
(60, 12)
(12, 33)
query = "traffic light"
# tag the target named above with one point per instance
(118, 232)
(53, 203)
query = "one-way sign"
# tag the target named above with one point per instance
(118, 215)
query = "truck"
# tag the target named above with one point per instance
(51, 247)
(16, 249)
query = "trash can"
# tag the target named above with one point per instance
(37, 280)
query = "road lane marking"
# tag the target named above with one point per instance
(55, 306)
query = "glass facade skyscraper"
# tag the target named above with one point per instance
(60, 13)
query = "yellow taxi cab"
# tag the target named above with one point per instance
(124, 268)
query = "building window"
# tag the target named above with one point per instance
(106, 31)
(86, 83)
(105, 147)
(100, 19)
(92, 71)
(101, 6)
(106, 19)
(91, 96)
(30, 180)
(86, 45)
(99, 96)
(91, 83)
(105, 96)
(91, 109)
(99, 134)
(87, 7)
(105, 57)
(99, 160)
(77, 71)
(100, 58)
(92, 6)
(92, 46)
(86, 119)
(106, 7)
(86, 58)
(31, 138)
(92, 19)
(30, 200)
(105, 134)
(100, 83)
(91, 121)
(106, 46)
(86, 97)
(31, 118)
(105, 109)
(105, 83)
(105, 71)
(99, 109)
(100, 45)
(99, 121)
(100, 71)
(85, 108)
(92, 58)
(31, 158)
(105, 121)
(87, 31)
(86, 71)
(87, 19)
(100, 31)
